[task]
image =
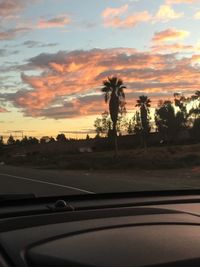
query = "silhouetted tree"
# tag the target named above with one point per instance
(181, 102)
(11, 140)
(122, 124)
(1, 140)
(113, 88)
(195, 131)
(25, 141)
(52, 140)
(18, 142)
(134, 125)
(103, 124)
(195, 110)
(144, 104)
(44, 140)
(61, 138)
(28, 141)
(33, 140)
(168, 122)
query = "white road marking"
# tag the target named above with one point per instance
(44, 182)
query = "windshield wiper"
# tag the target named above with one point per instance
(12, 196)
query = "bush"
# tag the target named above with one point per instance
(195, 131)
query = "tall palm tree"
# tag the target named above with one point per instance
(144, 103)
(113, 88)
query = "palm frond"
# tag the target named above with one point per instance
(105, 89)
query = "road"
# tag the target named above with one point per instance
(62, 182)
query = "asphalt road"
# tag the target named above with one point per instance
(64, 182)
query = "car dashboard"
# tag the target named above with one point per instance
(107, 230)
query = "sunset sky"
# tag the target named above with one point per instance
(55, 54)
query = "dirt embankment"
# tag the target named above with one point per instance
(153, 158)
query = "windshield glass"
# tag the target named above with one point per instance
(99, 96)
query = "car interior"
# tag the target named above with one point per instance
(127, 229)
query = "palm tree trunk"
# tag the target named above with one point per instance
(115, 138)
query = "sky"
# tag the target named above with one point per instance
(54, 55)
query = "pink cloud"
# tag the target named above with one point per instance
(112, 12)
(122, 17)
(60, 21)
(8, 8)
(3, 110)
(129, 21)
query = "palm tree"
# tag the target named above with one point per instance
(144, 103)
(113, 88)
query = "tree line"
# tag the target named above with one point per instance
(169, 119)
(61, 138)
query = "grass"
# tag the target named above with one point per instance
(154, 158)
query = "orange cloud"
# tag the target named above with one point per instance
(173, 48)
(169, 35)
(70, 84)
(60, 21)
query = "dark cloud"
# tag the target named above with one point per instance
(32, 44)
(5, 52)
(55, 22)
(10, 7)
(12, 33)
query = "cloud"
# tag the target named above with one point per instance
(169, 35)
(82, 106)
(166, 13)
(57, 22)
(113, 17)
(5, 52)
(173, 48)
(112, 12)
(12, 33)
(181, 1)
(3, 110)
(69, 83)
(10, 7)
(127, 22)
(31, 44)
(122, 18)
(197, 15)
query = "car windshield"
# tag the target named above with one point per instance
(99, 96)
